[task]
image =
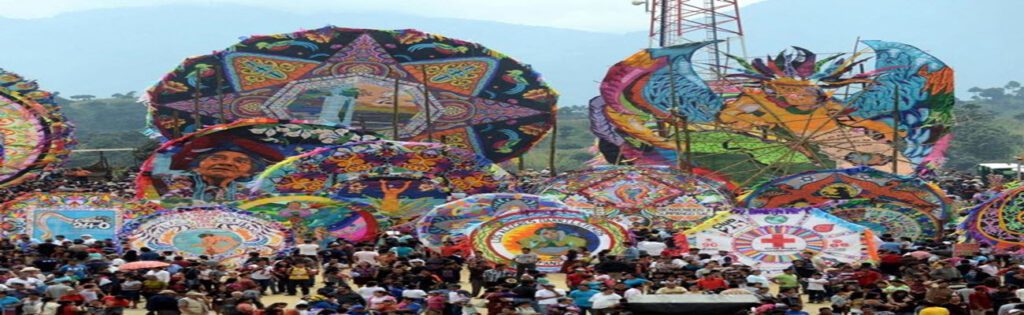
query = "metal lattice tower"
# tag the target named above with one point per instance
(675, 22)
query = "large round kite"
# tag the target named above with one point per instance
(771, 239)
(220, 233)
(999, 221)
(312, 217)
(456, 220)
(422, 85)
(34, 135)
(548, 233)
(216, 163)
(45, 215)
(790, 113)
(893, 204)
(402, 179)
(645, 195)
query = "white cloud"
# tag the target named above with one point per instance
(593, 15)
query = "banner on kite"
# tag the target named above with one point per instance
(34, 135)
(641, 195)
(771, 239)
(321, 218)
(549, 234)
(422, 86)
(879, 199)
(221, 233)
(455, 221)
(216, 163)
(998, 221)
(43, 216)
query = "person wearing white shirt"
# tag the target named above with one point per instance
(605, 302)
(367, 255)
(29, 283)
(632, 292)
(160, 274)
(308, 249)
(651, 248)
(548, 296)
(87, 239)
(414, 293)
(756, 277)
(367, 291)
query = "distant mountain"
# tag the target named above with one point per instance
(108, 51)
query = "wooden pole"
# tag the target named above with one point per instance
(426, 102)
(679, 144)
(220, 96)
(554, 140)
(196, 120)
(394, 112)
(689, 153)
(176, 127)
(895, 130)
(521, 163)
(676, 117)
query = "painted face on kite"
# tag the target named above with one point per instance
(221, 168)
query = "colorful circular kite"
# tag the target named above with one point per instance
(45, 215)
(890, 217)
(401, 179)
(456, 220)
(422, 85)
(34, 135)
(998, 221)
(312, 217)
(645, 195)
(771, 239)
(778, 116)
(220, 233)
(549, 234)
(216, 163)
(879, 195)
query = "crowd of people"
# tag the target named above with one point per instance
(73, 180)
(396, 275)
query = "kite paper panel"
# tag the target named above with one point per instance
(644, 195)
(888, 217)
(455, 221)
(221, 233)
(782, 112)
(45, 215)
(36, 136)
(550, 234)
(216, 163)
(771, 239)
(424, 85)
(998, 221)
(883, 193)
(319, 171)
(312, 217)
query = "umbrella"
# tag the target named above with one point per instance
(136, 265)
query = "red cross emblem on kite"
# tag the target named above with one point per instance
(778, 240)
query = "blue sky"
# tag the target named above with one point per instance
(591, 15)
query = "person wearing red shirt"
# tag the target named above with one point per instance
(866, 276)
(712, 282)
(890, 262)
(979, 301)
(74, 297)
(576, 278)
